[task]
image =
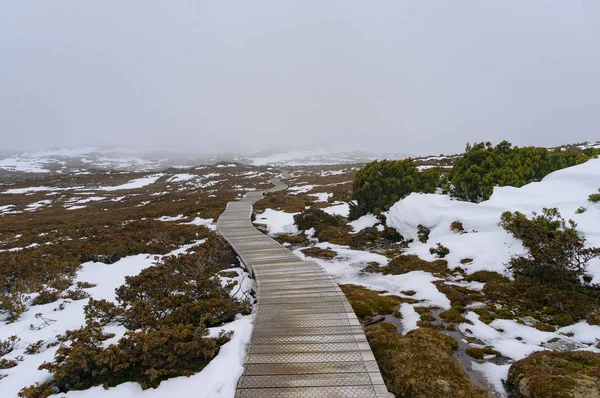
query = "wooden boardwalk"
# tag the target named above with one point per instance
(306, 341)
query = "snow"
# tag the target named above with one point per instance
(300, 189)
(175, 218)
(409, 318)
(347, 269)
(277, 222)
(321, 196)
(341, 209)
(486, 243)
(182, 177)
(133, 184)
(494, 374)
(37, 205)
(583, 332)
(37, 189)
(366, 221)
(207, 222)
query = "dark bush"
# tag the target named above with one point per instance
(380, 184)
(483, 166)
(317, 219)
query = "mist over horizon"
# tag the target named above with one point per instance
(396, 77)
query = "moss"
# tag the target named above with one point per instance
(466, 260)
(482, 276)
(368, 303)
(425, 314)
(409, 262)
(554, 305)
(573, 374)
(420, 364)
(484, 315)
(480, 353)
(453, 315)
(457, 295)
(324, 254)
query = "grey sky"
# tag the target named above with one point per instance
(403, 76)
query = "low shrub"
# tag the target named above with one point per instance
(46, 296)
(7, 363)
(9, 344)
(594, 198)
(423, 233)
(457, 226)
(440, 250)
(34, 348)
(580, 210)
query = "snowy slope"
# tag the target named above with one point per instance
(491, 246)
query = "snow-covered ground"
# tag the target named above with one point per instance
(277, 222)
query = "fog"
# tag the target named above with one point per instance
(407, 76)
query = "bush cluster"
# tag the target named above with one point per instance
(380, 184)
(167, 309)
(483, 166)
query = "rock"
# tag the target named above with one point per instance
(562, 345)
(528, 320)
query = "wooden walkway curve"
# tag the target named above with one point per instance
(306, 341)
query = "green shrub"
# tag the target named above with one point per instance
(595, 197)
(483, 166)
(423, 233)
(557, 255)
(580, 210)
(380, 184)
